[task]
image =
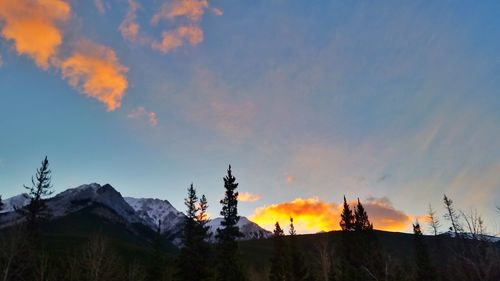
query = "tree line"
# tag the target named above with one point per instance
(355, 253)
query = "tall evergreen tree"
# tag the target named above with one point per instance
(346, 218)
(278, 260)
(41, 187)
(361, 221)
(203, 247)
(228, 267)
(424, 269)
(298, 268)
(193, 260)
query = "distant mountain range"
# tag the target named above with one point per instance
(127, 211)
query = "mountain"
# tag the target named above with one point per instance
(107, 203)
(152, 211)
(249, 229)
(10, 204)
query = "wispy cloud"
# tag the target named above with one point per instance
(248, 197)
(100, 6)
(186, 14)
(313, 215)
(141, 112)
(129, 28)
(94, 69)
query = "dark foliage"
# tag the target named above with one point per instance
(228, 264)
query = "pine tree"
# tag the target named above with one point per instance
(424, 268)
(361, 221)
(202, 246)
(452, 216)
(228, 267)
(346, 218)
(36, 210)
(278, 261)
(1, 203)
(298, 268)
(188, 255)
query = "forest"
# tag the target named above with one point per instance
(29, 250)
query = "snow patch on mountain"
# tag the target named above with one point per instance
(248, 228)
(16, 202)
(152, 211)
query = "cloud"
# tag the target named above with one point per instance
(314, 215)
(33, 26)
(1, 61)
(174, 39)
(248, 197)
(189, 31)
(101, 8)
(129, 28)
(141, 112)
(94, 69)
(289, 179)
(191, 9)
(310, 215)
(383, 214)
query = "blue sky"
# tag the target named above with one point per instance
(391, 101)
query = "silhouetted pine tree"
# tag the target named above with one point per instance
(361, 221)
(203, 247)
(346, 218)
(195, 255)
(298, 268)
(279, 269)
(228, 267)
(36, 210)
(424, 269)
(452, 216)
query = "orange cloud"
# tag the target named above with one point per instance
(191, 9)
(33, 26)
(383, 215)
(310, 215)
(313, 215)
(94, 69)
(142, 112)
(176, 38)
(129, 28)
(248, 197)
(289, 179)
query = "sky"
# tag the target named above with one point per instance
(392, 102)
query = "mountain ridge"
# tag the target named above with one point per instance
(127, 210)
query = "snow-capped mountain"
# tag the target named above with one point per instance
(152, 211)
(12, 203)
(108, 203)
(75, 199)
(249, 229)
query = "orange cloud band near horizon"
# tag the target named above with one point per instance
(312, 215)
